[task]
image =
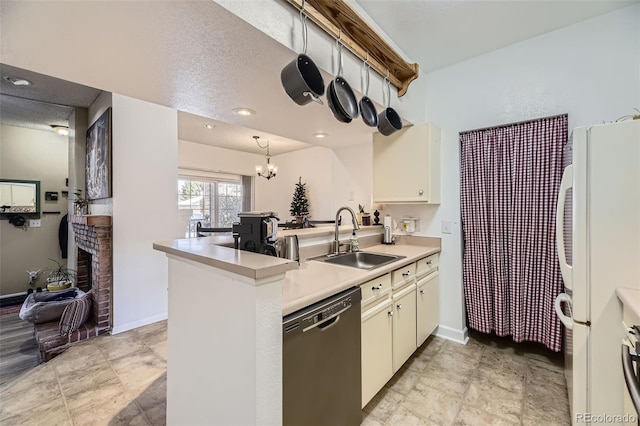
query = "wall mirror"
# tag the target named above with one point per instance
(19, 197)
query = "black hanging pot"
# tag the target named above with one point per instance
(301, 78)
(367, 108)
(345, 104)
(388, 120)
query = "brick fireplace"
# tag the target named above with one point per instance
(93, 235)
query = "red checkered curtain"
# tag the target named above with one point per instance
(510, 178)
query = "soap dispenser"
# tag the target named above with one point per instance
(355, 244)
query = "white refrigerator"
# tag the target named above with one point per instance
(604, 179)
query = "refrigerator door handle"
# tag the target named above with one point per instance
(565, 184)
(557, 304)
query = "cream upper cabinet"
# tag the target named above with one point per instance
(406, 166)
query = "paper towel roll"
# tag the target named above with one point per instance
(388, 221)
(388, 230)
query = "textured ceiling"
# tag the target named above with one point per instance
(443, 33)
(47, 101)
(222, 62)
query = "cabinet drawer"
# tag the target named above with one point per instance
(403, 275)
(427, 265)
(375, 288)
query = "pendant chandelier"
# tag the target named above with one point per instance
(271, 169)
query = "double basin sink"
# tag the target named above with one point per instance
(359, 259)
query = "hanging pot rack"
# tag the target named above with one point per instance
(342, 22)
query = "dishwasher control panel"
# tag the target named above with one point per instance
(327, 312)
(319, 312)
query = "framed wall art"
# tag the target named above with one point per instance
(98, 172)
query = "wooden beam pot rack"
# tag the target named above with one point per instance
(338, 19)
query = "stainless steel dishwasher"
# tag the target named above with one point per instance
(322, 364)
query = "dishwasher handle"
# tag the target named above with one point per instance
(335, 316)
(629, 377)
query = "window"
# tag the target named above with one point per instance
(214, 200)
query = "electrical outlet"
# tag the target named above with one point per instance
(446, 226)
(35, 223)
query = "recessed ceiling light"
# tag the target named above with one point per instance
(209, 126)
(17, 81)
(320, 135)
(244, 111)
(61, 130)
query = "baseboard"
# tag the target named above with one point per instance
(136, 324)
(453, 334)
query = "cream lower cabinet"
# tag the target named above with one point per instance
(427, 306)
(404, 325)
(377, 327)
(391, 315)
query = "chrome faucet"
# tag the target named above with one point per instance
(336, 241)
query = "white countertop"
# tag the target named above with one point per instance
(314, 281)
(304, 284)
(630, 297)
(207, 251)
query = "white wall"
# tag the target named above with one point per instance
(145, 158)
(330, 175)
(77, 160)
(590, 70)
(28, 154)
(197, 156)
(352, 178)
(313, 165)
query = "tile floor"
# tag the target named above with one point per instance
(121, 379)
(490, 381)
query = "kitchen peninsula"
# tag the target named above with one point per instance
(225, 319)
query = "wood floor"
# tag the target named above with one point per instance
(18, 348)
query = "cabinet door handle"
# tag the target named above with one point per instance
(406, 274)
(378, 287)
(390, 313)
(399, 306)
(421, 291)
(429, 262)
(420, 192)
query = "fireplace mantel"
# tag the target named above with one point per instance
(91, 220)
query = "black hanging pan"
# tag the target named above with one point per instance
(333, 105)
(367, 108)
(344, 100)
(301, 78)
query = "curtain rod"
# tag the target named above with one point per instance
(514, 124)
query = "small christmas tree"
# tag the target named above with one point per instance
(300, 202)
